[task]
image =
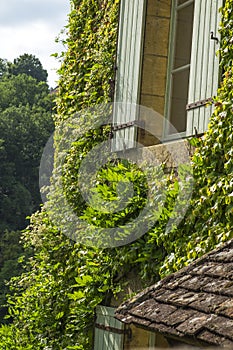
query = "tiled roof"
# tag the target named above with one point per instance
(194, 304)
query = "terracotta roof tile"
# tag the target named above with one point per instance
(194, 303)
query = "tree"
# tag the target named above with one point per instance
(57, 315)
(3, 67)
(22, 90)
(26, 123)
(54, 300)
(30, 65)
(25, 131)
(10, 250)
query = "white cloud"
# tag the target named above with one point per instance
(33, 30)
(15, 12)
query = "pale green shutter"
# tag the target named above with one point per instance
(204, 70)
(128, 73)
(109, 332)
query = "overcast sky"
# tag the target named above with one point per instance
(31, 26)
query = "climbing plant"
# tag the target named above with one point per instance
(54, 300)
(208, 221)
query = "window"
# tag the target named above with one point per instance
(179, 64)
(109, 332)
(128, 74)
(204, 69)
(180, 81)
(193, 76)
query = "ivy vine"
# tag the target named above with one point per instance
(53, 302)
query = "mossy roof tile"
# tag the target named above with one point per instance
(194, 303)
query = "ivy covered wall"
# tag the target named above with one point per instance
(53, 302)
(89, 60)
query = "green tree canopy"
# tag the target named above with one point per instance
(24, 131)
(54, 301)
(25, 126)
(3, 67)
(22, 90)
(30, 65)
(26, 122)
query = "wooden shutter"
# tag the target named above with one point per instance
(109, 332)
(128, 73)
(204, 70)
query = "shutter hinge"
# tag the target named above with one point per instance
(212, 37)
(139, 123)
(199, 103)
(126, 331)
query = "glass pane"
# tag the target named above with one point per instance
(179, 100)
(183, 39)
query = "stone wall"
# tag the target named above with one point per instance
(154, 66)
(141, 338)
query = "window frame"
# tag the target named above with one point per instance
(171, 54)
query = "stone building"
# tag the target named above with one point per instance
(167, 75)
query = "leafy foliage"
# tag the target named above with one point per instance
(209, 220)
(3, 67)
(54, 302)
(29, 65)
(25, 125)
(89, 61)
(23, 90)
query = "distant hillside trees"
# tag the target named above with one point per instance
(26, 108)
(3, 67)
(30, 65)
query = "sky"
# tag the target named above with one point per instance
(31, 26)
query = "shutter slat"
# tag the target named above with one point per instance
(126, 54)
(212, 54)
(128, 74)
(193, 114)
(216, 74)
(196, 62)
(202, 9)
(107, 339)
(204, 76)
(207, 55)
